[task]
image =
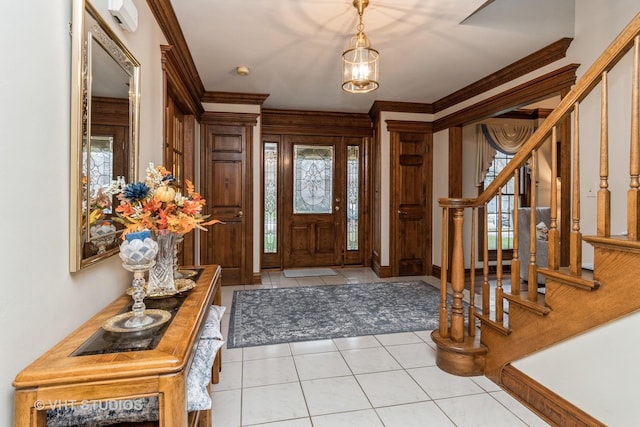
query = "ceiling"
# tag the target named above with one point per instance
(428, 48)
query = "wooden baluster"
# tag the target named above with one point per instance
(515, 259)
(498, 292)
(633, 198)
(471, 323)
(444, 313)
(554, 234)
(457, 277)
(575, 239)
(604, 196)
(486, 297)
(532, 273)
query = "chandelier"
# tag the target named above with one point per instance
(360, 60)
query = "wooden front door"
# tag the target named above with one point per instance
(226, 184)
(314, 198)
(412, 164)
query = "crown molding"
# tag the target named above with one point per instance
(408, 126)
(177, 79)
(234, 98)
(303, 122)
(399, 107)
(532, 62)
(168, 22)
(534, 90)
(223, 118)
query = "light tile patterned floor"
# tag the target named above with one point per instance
(383, 380)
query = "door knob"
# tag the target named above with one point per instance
(402, 212)
(239, 214)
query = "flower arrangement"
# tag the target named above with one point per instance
(100, 201)
(156, 204)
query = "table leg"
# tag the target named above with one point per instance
(26, 413)
(172, 400)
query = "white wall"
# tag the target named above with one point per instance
(42, 302)
(596, 26)
(597, 371)
(440, 190)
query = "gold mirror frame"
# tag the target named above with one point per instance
(91, 32)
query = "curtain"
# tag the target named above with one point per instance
(506, 138)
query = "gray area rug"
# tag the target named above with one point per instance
(273, 316)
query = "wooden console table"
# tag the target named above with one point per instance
(59, 376)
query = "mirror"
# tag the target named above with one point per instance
(104, 134)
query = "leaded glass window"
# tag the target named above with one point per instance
(353, 202)
(507, 201)
(312, 179)
(270, 197)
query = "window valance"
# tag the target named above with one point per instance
(507, 138)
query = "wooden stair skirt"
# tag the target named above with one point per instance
(571, 305)
(575, 304)
(547, 404)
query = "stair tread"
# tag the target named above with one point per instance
(522, 299)
(619, 241)
(488, 321)
(584, 280)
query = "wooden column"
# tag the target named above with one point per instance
(457, 277)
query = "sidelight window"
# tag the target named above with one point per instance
(353, 202)
(270, 197)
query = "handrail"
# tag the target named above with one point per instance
(605, 62)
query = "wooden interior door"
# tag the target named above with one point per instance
(313, 232)
(412, 164)
(226, 183)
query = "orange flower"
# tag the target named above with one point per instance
(125, 209)
(191, 207)
(152, 205)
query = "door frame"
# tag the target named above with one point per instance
(354, 128)
(176, 94)
(337, 195)
(426, 128)
(248, 121)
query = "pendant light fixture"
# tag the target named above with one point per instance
(360, 60)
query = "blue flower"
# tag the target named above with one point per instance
(135, 191)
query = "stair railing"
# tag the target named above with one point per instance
(455, 210)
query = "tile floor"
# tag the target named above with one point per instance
(382, 380)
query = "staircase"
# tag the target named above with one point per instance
(575, 300)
